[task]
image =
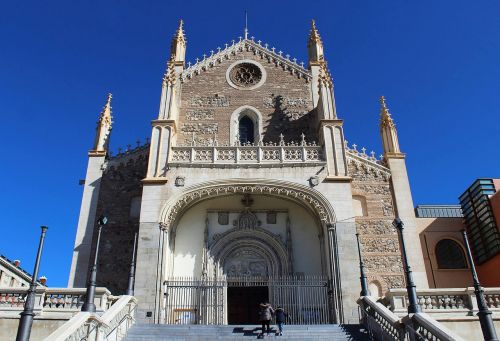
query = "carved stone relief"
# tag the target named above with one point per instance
(378, 244)
(291, 108)
(202, 128)
(198, 115)
(223, 218)
(385, 263)
(376, 227)
(210, 101)
(246, 262)
(381, 189)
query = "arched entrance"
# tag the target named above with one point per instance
(233, 245)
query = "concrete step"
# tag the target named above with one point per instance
(145, 332)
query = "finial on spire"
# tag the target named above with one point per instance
(103, 129)
(178, 46)
(388, 131)
(385, 116)
(314, 37)
(315, 45)
(246, 25)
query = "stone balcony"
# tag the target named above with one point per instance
(261, 155)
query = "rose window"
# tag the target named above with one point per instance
(245, 75)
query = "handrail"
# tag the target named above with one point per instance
(112, 325)
(382, 324)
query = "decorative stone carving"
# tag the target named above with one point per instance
(203, 155)
(294, 154)
(245, 263)
(271, 217)
(376, 227)
(245, 75)
(292, 108)
(270, 189)
(381, 189)
(246, 220)
(380, 244)
(223, 218)
(202, 128)
(387, 263)
(314, 181)
(179, 181)
(181, 155)
(210, 101)
(394, 281)
(199, 115)
(387, 208)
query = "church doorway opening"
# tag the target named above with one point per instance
(243, 304)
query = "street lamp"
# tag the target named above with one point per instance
(484, 313)
(26, 320)
(413, 306)
(131, 277)
(89, 297)
(364, 285)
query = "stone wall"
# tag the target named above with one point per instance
(121, 188)
(208, 101)
(378, 237)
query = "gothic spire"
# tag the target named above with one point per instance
(315, 45)
(103, 128)
(388, 131)
(178, 46)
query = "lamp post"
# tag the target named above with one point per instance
(26, 320)
(413, 306)
(484, 313)
(131, 277)
(89, 297)
(364, 283)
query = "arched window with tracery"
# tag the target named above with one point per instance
(450, 255)
(246, 130)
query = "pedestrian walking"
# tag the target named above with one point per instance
(281, 316)
(266, 313)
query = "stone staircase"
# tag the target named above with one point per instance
(159, 332)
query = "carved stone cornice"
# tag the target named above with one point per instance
(165, 123)
(310, 198)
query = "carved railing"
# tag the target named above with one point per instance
(51, 300)
(270, 154)
(383, 325)
(456, 302)
(110, 326)
(380, 322)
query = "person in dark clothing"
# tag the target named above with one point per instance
(281, 317)
(266, 312)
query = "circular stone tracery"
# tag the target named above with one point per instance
(245, 75)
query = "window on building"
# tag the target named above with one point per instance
(450, 255)
(246, 130)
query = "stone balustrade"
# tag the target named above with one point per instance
(383, 324)
(265, 154)
(450, 302)
(51, 301)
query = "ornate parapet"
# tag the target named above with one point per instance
(55, 302)
(248, 154)
(446, 302)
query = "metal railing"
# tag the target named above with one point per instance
(204, 300)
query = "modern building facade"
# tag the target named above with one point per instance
(481, 208)
(247, 191)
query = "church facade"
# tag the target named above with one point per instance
(247, 192)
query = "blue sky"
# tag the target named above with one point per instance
(437, 63)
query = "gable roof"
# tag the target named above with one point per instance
(257, 48)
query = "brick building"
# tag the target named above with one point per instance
(247, 192)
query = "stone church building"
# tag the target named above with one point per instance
(247, 192)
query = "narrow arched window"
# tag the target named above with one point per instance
(450, 255)
(245, 129)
